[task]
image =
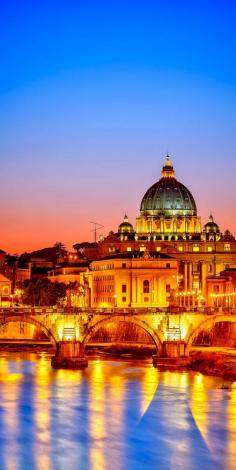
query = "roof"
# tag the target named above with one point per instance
(136, 255)
(4, 278)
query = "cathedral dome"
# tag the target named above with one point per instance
(211, 230)
(211, 226)
(168, 197)
(125, 226)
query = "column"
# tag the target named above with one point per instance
(185, 276)
(69, 355)
(134, 290)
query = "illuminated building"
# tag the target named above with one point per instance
(168, 210)
(133, 280)
(168, 225)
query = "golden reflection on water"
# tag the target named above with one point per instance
(10, 391)
(97, 415)
(149, 386)
(175, 379)
(199, 403)
(104, 393)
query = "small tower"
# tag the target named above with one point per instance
(211, 231)
(125, 229)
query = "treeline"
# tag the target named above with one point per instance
(43, 292)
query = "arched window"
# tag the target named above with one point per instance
(146, 287)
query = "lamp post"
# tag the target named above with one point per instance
(115, 299)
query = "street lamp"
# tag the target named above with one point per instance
(115, 299)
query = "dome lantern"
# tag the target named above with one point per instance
(167, 169)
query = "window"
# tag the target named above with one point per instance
(123, 265)
(146, 299)
(216, 289)
(142, 248)
(227, 247)
(146, 287)
(167, 287)
(195, 247)
(123, 287)
(158, 248)
(180, 248)
(209, 248)
(167, 265)
(123, 299)
(129, 248)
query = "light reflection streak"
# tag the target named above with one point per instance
(42, 415)
(231, 420)
(149, 386)
(10, 390)
(97, 404)
(199, 403)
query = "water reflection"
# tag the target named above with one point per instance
(115, 415)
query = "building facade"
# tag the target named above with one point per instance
(133, 279)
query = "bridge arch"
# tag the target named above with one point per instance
(117, 318)
(205, 325)
(32, 321)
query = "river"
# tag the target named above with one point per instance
(115, 415)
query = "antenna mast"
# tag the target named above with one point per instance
(97, 227)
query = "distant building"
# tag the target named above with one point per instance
(5, 291)
(133, 280)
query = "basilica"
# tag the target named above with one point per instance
(166, 258)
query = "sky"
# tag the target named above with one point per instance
(93, 94)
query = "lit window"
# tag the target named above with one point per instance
(158, 248)
(129, 248)
(146, 287)
(195, 247)
(180, 248)
(142, 248)
(227, 247)
(209, 248)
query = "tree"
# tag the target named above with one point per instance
(43, 292)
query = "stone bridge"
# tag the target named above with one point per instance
(70, 330)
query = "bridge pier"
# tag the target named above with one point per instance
(173, 354)
(69, 355)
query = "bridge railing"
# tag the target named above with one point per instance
(28, 310)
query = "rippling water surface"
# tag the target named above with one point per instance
(114, 415)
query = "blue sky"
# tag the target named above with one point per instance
(93, 95)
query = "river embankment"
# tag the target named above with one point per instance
(215, 363)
